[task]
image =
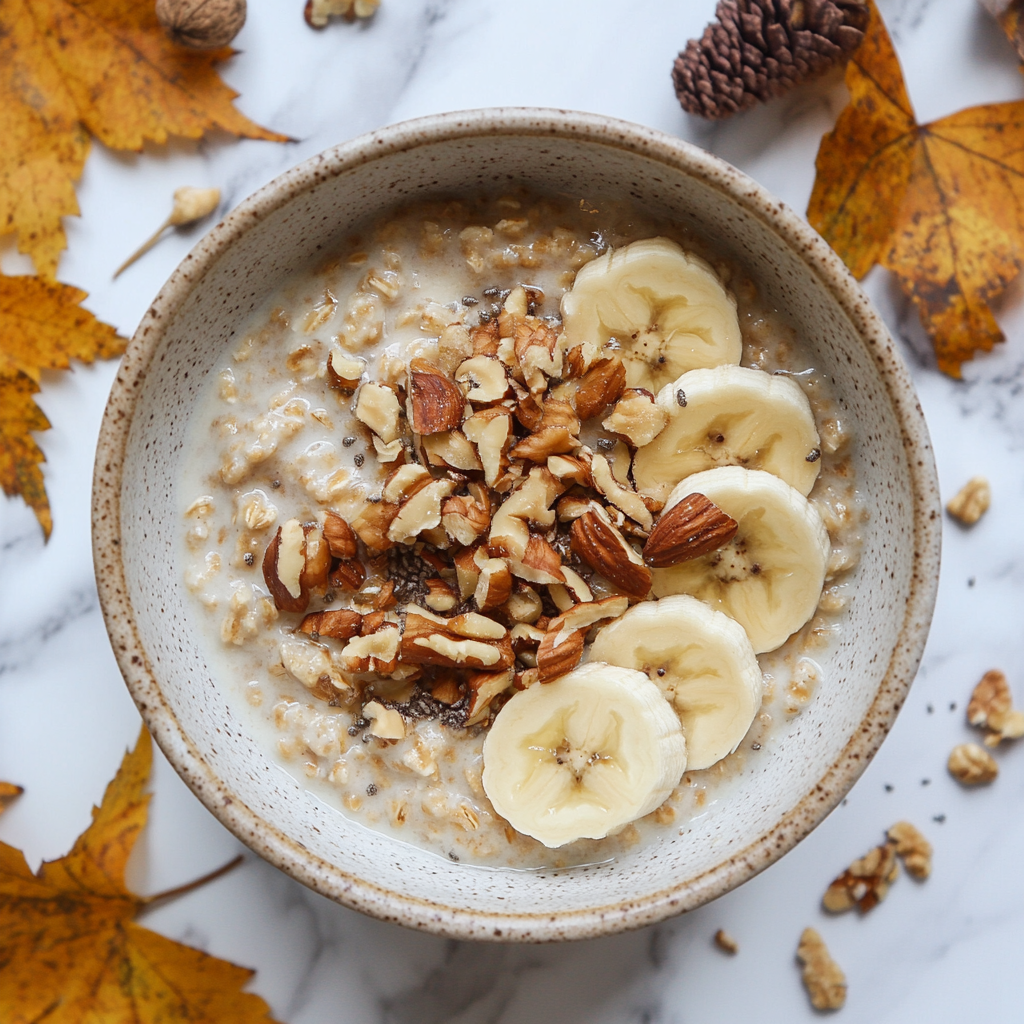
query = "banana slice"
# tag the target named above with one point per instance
(702, 662)
(583, 755)
(731, 416)
(665, 308)
(769, 576)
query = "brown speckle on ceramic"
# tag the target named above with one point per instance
(309, 209)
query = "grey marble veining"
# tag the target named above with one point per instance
(944, 950)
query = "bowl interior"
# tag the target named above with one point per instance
(307, 212)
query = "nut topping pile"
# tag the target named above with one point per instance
(499, 538)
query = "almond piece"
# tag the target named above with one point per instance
(692, 527)
(584, 615)
(340, 624)
(339, 536)
(436, 402)
(559, 652)
(597, 541)
(600, 386)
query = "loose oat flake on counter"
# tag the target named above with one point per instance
(518, 530)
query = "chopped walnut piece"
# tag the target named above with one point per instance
(441, 597)
(404, 482)
(467, 517)
(991, 708)
(524, 605)
(420, 512)
(494, 585)
(915, 850)
(341, 624)
(372, 524)
(971, 502)
(822, 976)
(296, 561)
(540, 563)
(385, 723)
(571, 469)
(376, 650)
(483, 687)
(545, 442)
(389, 452)
(530, 502)
(378, 407)
(726, 943)
(483, 379)
(619, 495)
(429, 639)
(340, 537)
(972, 764)
(344, 372)
(491, 431)
(451, 450)
(636, 418)
(865, 883)
(454, 347)
(348, 574)
(559, 652)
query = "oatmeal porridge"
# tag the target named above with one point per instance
(519, 528)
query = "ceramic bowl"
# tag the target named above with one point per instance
(309, 209)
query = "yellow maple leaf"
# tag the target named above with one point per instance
(941, 205)
(42, 327)
(8, 794)
(70, 952)
(69, 68)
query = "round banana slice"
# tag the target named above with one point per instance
(731, 416)
(769, 576)
(581, 756)
(702, 662)
(664, 307)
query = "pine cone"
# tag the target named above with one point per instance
(758, 49)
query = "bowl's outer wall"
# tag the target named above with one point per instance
(305, 215)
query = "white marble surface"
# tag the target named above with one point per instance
(939, 951)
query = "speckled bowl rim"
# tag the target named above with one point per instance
(292, 857)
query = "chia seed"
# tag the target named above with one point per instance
(348, 442)
(359, 460)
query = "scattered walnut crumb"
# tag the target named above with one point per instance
(972, 764)
(822, 976)
(319, 12)
(991, 708)
(971, 502)
(726, 943)
(915, 850)
(865, 883)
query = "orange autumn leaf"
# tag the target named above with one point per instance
(941, 205)
(8, 794)
(42, 327)
(70, 952)
(71, 68)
